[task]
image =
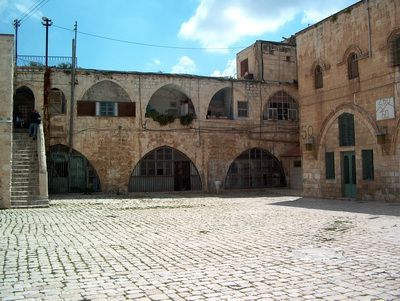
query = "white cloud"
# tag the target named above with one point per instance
(13, 9)
(221, 23)
(156, 62)
(185, 65)
(230, 70)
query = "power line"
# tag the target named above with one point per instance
(33, 9)
(151, 45)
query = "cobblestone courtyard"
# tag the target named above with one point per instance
(231, 247)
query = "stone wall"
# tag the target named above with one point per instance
(328, 44)
(114, 145)
(6, 101)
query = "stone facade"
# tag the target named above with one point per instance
(368, 30)
(115, 145)
(6, 100)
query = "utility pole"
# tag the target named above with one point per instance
(17, 23)
(73, 71)
(47, 23)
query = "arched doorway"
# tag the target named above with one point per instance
(255, 168)
(70, 172)
(164, 169)
(24, 102)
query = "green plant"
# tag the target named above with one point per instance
(162, 119)
(186, 119)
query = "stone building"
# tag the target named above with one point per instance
(143, 132)
(349, 91)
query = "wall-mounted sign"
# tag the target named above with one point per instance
(385, 108)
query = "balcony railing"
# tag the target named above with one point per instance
(64, 62)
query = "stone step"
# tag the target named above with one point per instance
(31, 203)
(26, 189)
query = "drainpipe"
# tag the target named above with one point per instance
(369, 29)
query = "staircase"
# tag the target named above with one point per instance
(25, 173)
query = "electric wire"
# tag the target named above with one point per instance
(33, 10)
(149, 44)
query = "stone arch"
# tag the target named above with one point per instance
(220, 105)
(255, 168)
(170, 100)
(359, 113)
(23, 104)
(164, 169)
(281, 106)
(106, 90)
(325, 66)
(392, 44)
(70, 172)
(351, 49)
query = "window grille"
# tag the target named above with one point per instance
(243, 108)
(352, 66)
(281, 106)
(346, 130)
(396, 51)
(107, 109)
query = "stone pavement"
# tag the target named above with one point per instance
(190, 247)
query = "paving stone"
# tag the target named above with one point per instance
(230, 247)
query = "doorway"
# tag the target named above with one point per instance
(349, 178)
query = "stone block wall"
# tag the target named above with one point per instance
(328, 44)
(6, 105)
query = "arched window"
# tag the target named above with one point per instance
(255, 168)
(318, 77)
(164, 169)
(281, 106)
(396, 51)
(352, 65)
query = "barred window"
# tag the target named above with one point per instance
(396, 51)
(352, 66)
(243, 108)
(281, 106)
(107, 109)
(318, 77)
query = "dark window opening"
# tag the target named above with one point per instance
(318, 77)
(244, 67)
(330, 165)
(367, 164)
(352, 66)
(396, 51)
(221, 104)
(346, 130)
(243, 108)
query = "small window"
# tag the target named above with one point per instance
(318, 77)
(297, 163)
(243, 108)
(346, 130)
(330, 165)
(396, 51)
(367, 164)
(107, 109)
(244, 67)
(288, 58)
(352, 66)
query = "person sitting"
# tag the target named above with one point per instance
(35, 121)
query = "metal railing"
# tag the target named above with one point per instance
(64, 62)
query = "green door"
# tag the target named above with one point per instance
(349, 174)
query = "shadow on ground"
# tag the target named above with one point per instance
(344, 205)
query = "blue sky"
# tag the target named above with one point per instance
(211, 24)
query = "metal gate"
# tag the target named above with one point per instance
(70, 172)
(164, 169)
(255, 168)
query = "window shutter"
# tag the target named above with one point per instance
(86, 108)
(367, 164)
(346, 130)
(330, 165)
(127, 109)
